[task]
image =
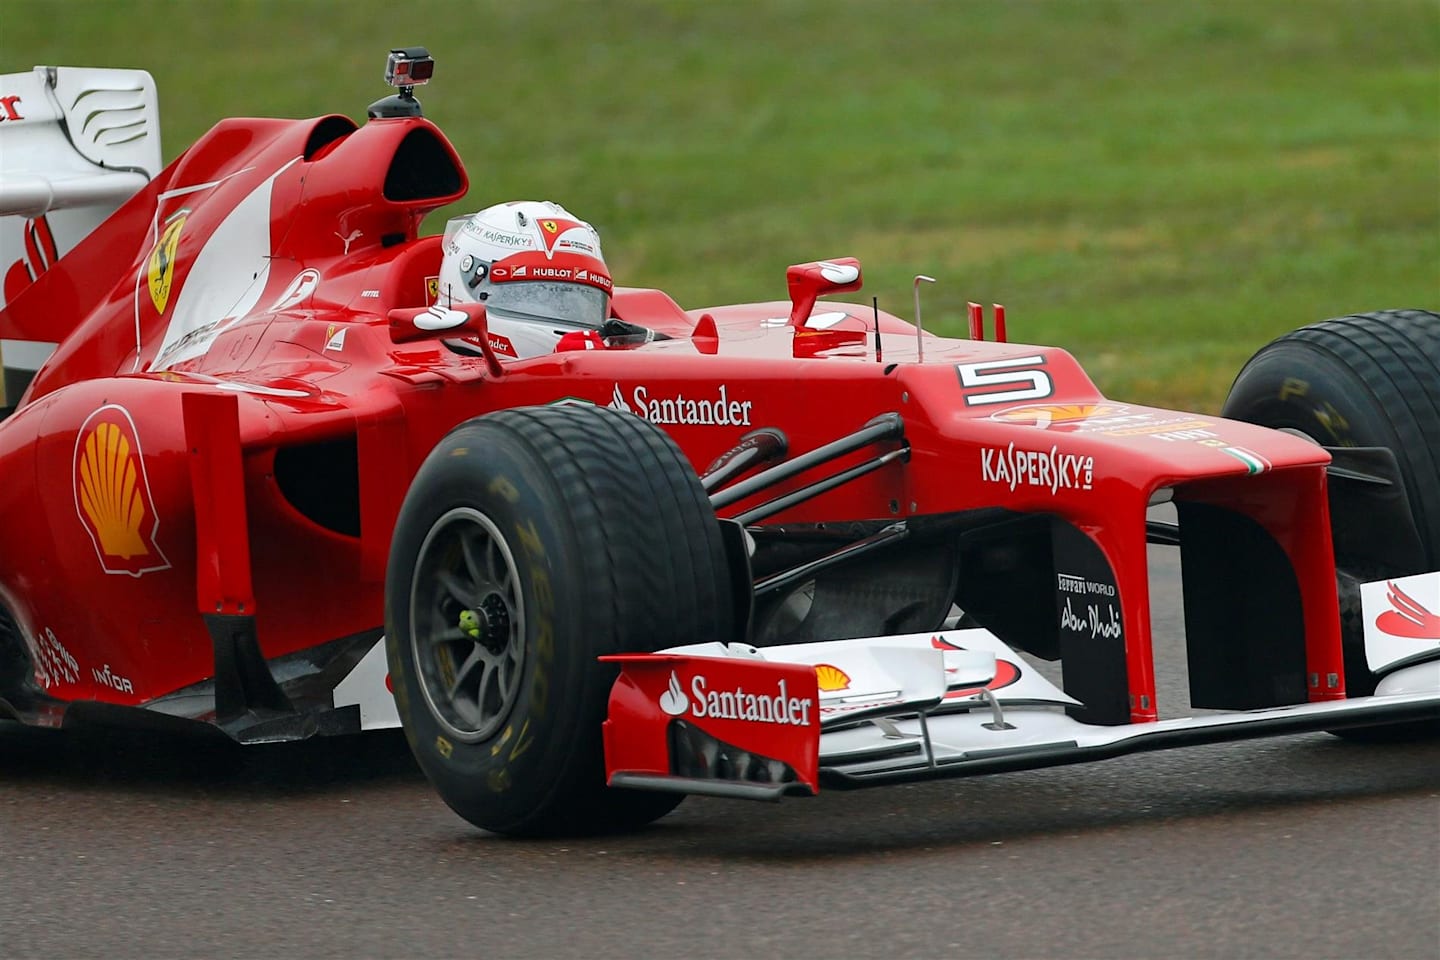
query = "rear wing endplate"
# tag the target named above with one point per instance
(75, 143)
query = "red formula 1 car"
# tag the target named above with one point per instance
(270, 478)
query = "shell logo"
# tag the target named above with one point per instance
(831, 678)
(1044, 414)
(161, 269)
(112, 494)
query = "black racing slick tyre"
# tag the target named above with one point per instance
(1368, 380)
(15, 668)
(532, 542)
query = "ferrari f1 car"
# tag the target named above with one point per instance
(265, 475)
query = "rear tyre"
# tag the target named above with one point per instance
(1368, 380)
(15, 669)
(531, 542)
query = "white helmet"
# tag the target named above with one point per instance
(527, 260)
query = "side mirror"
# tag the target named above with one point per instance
(808, 281)
(435, 322)
(438, 322)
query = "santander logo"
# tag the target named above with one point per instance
(715, 410)
(1408, 618)
(673, 701)
(736, 704)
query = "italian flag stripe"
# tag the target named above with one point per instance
(1254, 463)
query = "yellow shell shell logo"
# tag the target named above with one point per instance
(1044, 414)
(161, 270)
(831, 678)
(112, 494)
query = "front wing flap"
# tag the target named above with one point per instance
(737, 721)
(718, 725)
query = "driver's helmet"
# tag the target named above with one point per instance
(527, 260)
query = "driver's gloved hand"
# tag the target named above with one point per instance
(617, 332)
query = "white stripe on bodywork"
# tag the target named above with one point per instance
(225, 281)
(365, 687)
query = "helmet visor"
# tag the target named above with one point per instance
(570, 288)
(548, 300)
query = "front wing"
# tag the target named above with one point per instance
(737, 721)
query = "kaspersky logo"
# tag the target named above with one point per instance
(112, 494)
(737, 704)
(161, 268)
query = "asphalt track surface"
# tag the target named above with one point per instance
(1306, 846)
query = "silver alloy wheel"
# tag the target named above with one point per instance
(467, 624)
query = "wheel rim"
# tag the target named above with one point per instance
(467, 624)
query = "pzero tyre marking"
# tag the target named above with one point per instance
(1366, 380)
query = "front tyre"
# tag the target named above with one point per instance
(531, 542)
(1369, 380)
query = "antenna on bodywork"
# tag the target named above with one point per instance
(875, 305)
(919, 330)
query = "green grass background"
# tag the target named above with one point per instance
(1160, 187)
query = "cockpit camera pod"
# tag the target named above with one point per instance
(406, 68)
(409, 67)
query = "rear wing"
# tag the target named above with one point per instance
(75, 143)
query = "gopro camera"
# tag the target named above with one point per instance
(409, 67)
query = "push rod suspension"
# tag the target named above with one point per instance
(887, 426)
